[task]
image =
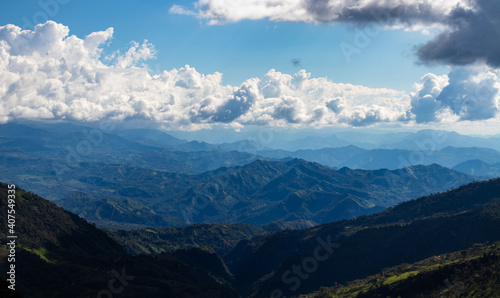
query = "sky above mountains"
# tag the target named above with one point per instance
(268, 63)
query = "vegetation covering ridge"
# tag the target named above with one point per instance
(474, 272)
(59, 254)
(370, 243)
(221, 237)
(61, 247)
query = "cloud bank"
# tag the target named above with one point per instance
(49, 74)
(470, 29)
(322, 11)
(465, 94)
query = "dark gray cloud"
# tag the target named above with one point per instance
(241, 103)
(470, 28)
(470, 37)
(384, 12)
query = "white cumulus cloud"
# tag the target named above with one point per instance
(467, 93)
(49, 74)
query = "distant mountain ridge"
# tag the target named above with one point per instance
(141, 177)
(358, 158)
(438, 139)
(265, 191)
(242, 190)
(146, 147)
(478, 167)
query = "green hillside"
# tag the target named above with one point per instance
(221, 237)
(61, 255)
(407, 233)
(474, 272)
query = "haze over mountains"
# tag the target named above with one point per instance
(137, 178)
(377, 150)
(231, 219)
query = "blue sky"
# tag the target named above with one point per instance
(277, 63)
(239, 50)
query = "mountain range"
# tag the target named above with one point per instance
(257, 193)
(408, 232)
(62, 255)
(138, 178)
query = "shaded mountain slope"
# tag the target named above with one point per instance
(371, 250)
(406, 233)
(58, 254)
(221, 237)
(474, 272)
(107, 213)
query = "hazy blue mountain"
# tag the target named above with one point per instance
(425, 139)
(212, 184)
(397, 158)
(421, 140)
(316, 142)
(480, 168)
(332, 157)
(359, 139)
(358, 158)
(150, 137)
(375, 138)
(258, 193)
(16, 130)
(24, 145)
(145, 147)
(242, 146)
(194, 146)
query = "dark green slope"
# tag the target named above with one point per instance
(221, 237)
(5, 292)
(107, 213)
(369, 251)
(474, 272)
(406, 233)
(61, 255)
